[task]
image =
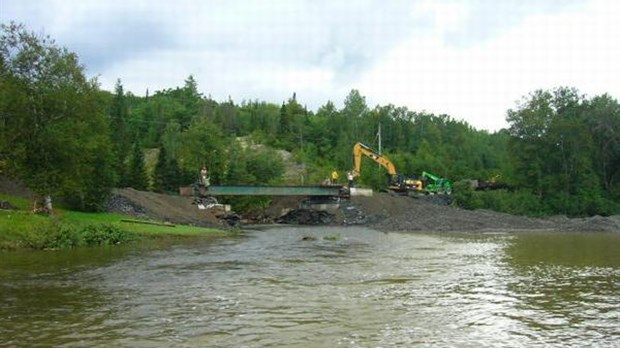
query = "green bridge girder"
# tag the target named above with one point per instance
(246, 190)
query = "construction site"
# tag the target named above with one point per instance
(382, 211)
(410, 204)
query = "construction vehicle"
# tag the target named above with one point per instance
(397, 183)
(490, 184)
(436, 185)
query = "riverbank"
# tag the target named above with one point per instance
(20, 229)
(135, 214)
(382, 211)
(397, 213)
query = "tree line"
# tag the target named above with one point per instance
(64, 136)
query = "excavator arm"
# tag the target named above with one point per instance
(398, 182)
(439, 185)
(430, 176)
(360, 150)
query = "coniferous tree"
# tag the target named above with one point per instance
(166, 177)
(160, 173)
(119, 132)
(174, 178)
(137, 176)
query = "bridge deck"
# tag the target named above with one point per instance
(273, 190)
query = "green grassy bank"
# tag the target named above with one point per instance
(20, 229)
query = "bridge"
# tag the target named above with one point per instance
(248, 190)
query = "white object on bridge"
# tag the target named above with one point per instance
(360, 192)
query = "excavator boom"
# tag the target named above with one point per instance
(438, 185)
(430, 176)
(397, 183)
(360, 149)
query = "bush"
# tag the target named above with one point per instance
(51, 234)
(247, 204)
(105, 234)
(465, 196)
(522, 202)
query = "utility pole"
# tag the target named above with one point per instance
(379, 136)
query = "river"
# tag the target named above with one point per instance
(319, 287)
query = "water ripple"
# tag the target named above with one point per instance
(357, 288)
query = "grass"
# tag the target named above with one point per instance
(21, 229)
(17, 202)
(81, 218)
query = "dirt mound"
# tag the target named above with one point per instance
(399, 213)
(589, 224)
(382, 211)
(160, 207)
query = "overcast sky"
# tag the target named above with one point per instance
(470, 59)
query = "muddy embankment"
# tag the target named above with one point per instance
(382, 211)
(411, 214)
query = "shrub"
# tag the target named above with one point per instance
(465, 196)
(105, 234)
(51, 234)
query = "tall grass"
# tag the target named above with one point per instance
(21, 229)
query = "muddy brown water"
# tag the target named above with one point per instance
(319, 287)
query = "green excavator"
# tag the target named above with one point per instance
(434, 184)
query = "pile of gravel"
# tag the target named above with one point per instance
(590, 224)
(119, 204)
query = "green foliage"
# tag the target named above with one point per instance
(20, 229)
(51, 234)
(465, 196)
(261, 120)
(62, 136)
(249, 204)
(56, 233)
(603, 121)
(554, 138)
(167, 176)
(90, 193)
(374, 177)
(248, 166)
(119, 132)
(137, 176)
(203, 143)
(17, 202)
(265, 166)
(292, 125)
(171, 139)
(105, 234)
(521, 202)
(53, 128)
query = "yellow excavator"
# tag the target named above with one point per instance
(398, 182)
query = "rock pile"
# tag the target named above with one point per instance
(119, 204)
(307, 217)
(6, 205)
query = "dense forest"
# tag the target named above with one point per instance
(63, 136)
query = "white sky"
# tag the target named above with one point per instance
(470, 59)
